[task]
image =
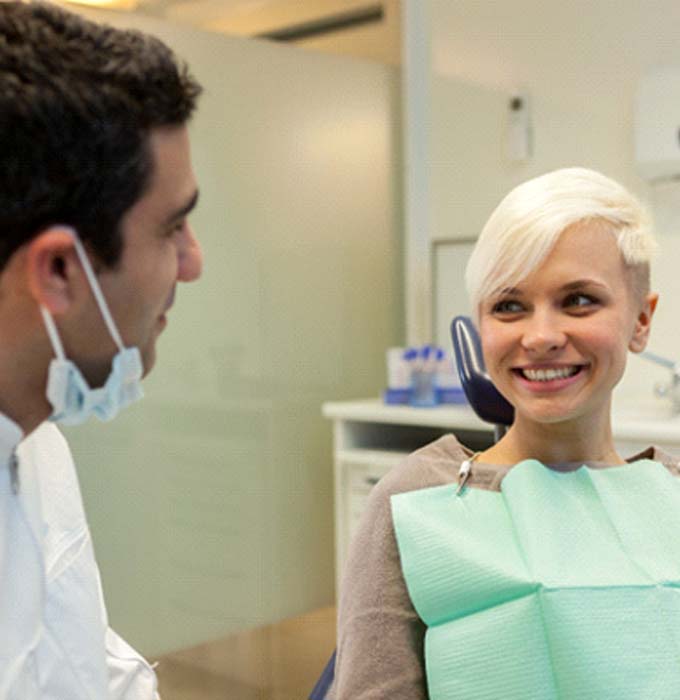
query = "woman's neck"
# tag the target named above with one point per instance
(555, 443)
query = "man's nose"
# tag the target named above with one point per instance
(543, 334)
(190, 258)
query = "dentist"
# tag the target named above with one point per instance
(96, 185)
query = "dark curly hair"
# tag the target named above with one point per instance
(77, 103)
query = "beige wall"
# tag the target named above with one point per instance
(211, 501)
(580, 62)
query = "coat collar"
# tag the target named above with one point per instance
(10, 436)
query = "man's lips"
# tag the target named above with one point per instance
(163, 318)
(170, 302)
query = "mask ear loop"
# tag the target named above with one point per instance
(52, 333)
(96, 289)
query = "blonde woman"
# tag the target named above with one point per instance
(555, 571)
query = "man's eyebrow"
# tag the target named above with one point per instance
(183, 210)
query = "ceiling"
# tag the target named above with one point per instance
(377, 40)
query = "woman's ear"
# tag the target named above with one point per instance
(643, 323)
(53, 270)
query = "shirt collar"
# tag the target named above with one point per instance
(10, 436)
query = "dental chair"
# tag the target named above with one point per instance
(485, 400)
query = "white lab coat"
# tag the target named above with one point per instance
(55, 642)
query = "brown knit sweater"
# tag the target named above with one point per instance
(380, 636)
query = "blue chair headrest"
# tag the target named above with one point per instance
(485, 399)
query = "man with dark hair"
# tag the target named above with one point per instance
(96, 185)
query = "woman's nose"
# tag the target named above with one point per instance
(190, 258)
(543, 335)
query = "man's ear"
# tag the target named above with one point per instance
(54, 273)
(643, 323)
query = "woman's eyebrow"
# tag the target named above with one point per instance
(579, 284)
(568, 287)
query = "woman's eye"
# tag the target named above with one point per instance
(580, 300)
(507, 306)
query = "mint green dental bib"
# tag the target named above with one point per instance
(561, 586)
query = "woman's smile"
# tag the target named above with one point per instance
(550, 378)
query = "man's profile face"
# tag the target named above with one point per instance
(159, 250)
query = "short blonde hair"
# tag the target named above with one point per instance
(525, 226)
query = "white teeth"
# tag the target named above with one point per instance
(545, 375)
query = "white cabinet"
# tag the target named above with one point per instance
(359, 471)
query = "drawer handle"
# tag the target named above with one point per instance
(371, 480)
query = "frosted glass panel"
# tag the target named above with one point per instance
(211, 501)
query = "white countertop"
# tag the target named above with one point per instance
(375, 411)
(646, 420)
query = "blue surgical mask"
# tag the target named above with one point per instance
(73, 400)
